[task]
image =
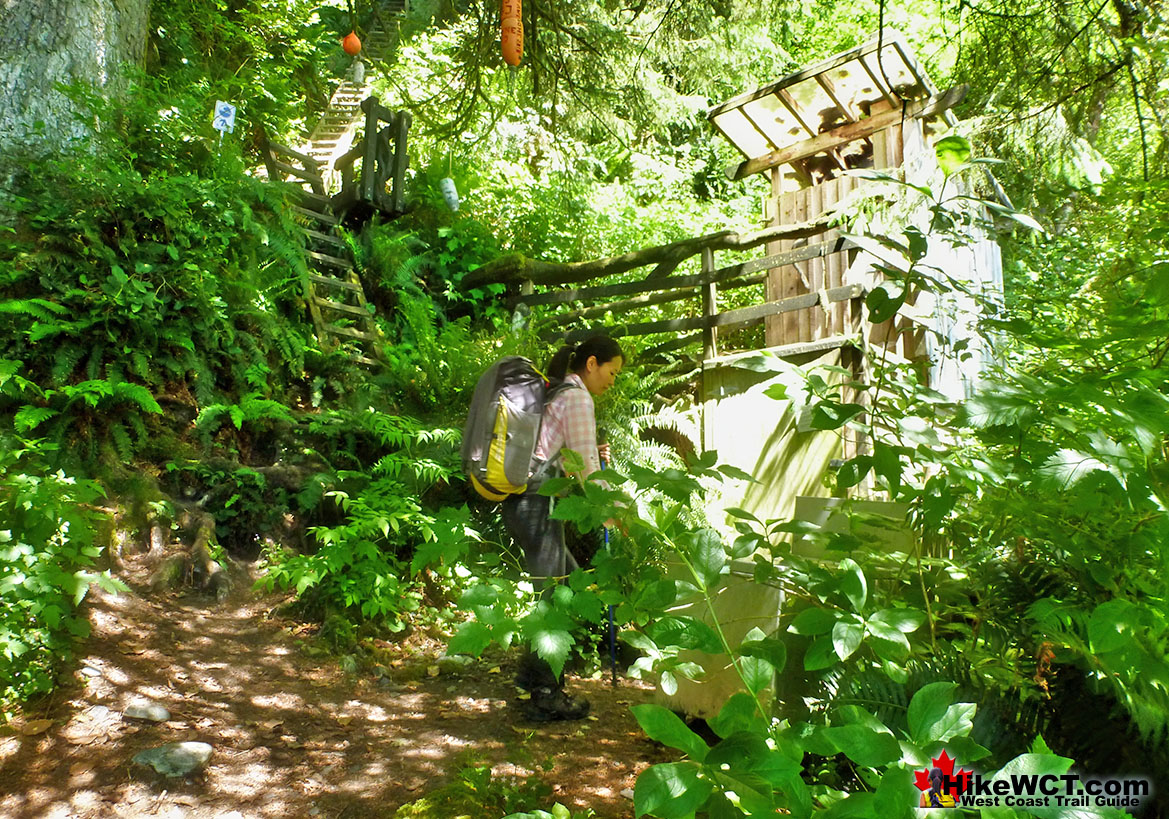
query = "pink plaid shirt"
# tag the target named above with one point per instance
(570, 421)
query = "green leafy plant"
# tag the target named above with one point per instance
(47, 564)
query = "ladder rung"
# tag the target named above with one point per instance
(323, 237)
(315, 198)
(312, 214)
(299, 173)
(350, 332)
(342, 308)
(332, 261)
(331, 281)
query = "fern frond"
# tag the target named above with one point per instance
(42, 309)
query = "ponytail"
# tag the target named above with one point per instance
(572, 358)
(557, 368)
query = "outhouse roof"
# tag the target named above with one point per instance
(839, 90)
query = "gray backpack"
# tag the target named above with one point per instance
(503, 426)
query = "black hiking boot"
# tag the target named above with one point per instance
(552, 704)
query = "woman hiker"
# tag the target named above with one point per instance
(569, 421)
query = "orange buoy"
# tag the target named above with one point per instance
(512, 31)
(351, 44)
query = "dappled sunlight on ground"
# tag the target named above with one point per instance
(293, 735)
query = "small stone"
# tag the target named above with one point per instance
(149, 711)
(627, 793)
(175, 758)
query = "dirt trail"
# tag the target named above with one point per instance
(293, 736)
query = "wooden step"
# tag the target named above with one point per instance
(331, 261)
(320, 217)
(360, 359)
(350, 332)
(330, 281)
(314, 198)
(299, 173)
(324, 237)
(342, 308)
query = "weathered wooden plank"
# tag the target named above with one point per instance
(801, 348)
(648, 300)
(800, 76)
(673, 345)
(324, 237)
(350, 332)
(848, 132)
(331, 261)
(401, 160)
(721, 276)
(342, 308)
(286, 151)
(731, 318)
(313, 177)
(372, 107)
(313, 214)
(330, 281)
(709, 308)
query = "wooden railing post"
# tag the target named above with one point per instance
(709, 307)
(401, 160)
(369, 161)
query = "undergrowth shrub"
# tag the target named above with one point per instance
(47, 559)
(173, 279)
(369, 567)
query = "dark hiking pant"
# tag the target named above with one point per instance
(545, 555)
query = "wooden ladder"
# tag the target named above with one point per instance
(334, 294)
(333, 134)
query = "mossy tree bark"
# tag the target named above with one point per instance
(44, 43)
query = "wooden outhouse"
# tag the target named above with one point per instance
(871, 107)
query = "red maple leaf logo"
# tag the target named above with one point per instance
(944, 763)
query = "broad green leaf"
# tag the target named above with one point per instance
(813, 621)
(771, 649)
(887, 464)
(957, 721)
(670, 791)
(1111, 625)
(905, 621)
(686, 632)
(470, 638)
(853, 471)
(952, 153)
(896, 796)
(707, 555)
(927, 707)
(1067, 467)
(882, 304)
(821, 654)
(853, 584)
(739, 713)
(664, 726)
(757, 673)
(828, 415)
(846, 638)
(932, 717)
(552, 646)
(863, 745)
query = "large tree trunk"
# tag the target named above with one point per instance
(45, 42)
